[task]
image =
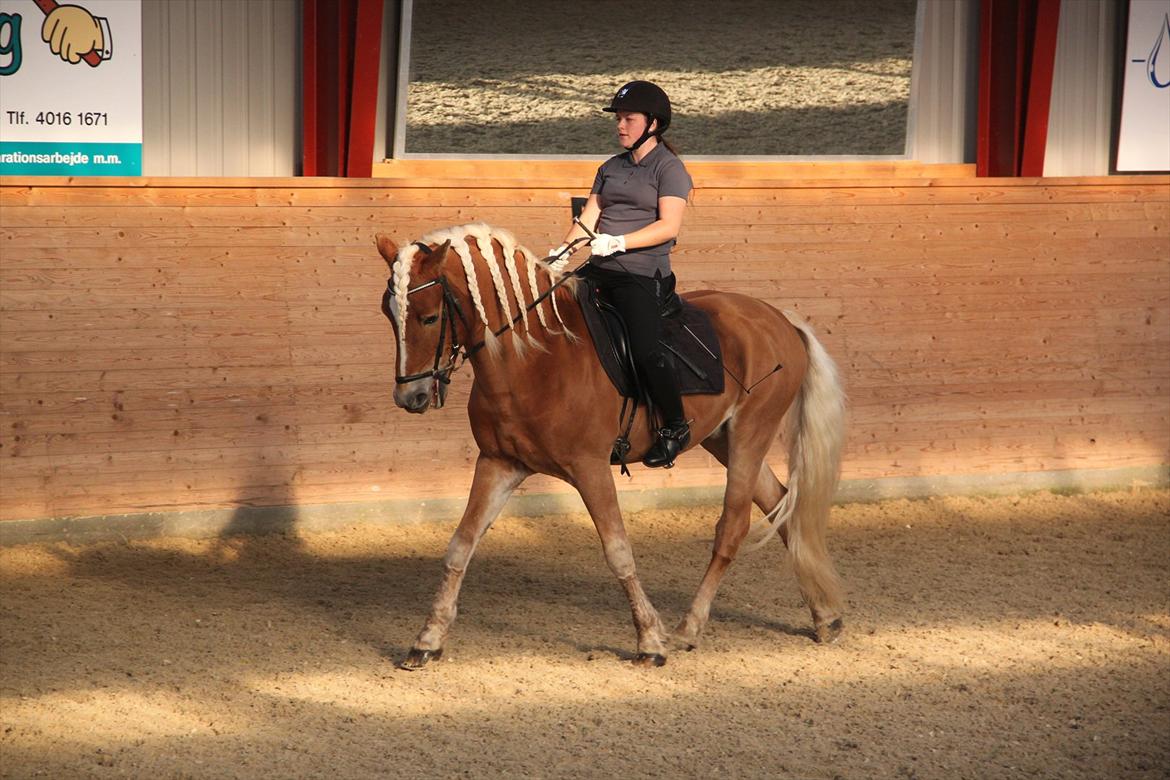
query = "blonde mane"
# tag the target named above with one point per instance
(483, 234)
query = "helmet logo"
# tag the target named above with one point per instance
(622, 92)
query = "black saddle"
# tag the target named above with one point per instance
(687, 334)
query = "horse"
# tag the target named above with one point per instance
(541, 402)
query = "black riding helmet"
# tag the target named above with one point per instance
(643, 97)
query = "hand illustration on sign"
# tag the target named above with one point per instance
(74, 34)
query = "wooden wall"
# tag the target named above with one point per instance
(174, 344)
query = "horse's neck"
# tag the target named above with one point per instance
(501, 371)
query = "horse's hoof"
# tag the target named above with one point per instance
(650, 659)
(829, 634)
(417, 658)
(683, 642)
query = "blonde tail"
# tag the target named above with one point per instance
(816, 433)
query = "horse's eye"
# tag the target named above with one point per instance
(431, 320)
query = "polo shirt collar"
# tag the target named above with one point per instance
(645, 160)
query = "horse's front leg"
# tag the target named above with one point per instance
(597, 490)
(495, 480)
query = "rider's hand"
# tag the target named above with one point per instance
(604, 244)
(558, 251)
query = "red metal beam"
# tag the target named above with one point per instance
(343, 41)
(1017, 54)
(1000, 105)
(341, 54)
(1040, 88)
(367, 54)
(309, 89)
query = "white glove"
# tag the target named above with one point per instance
(605, 244)
(557, 252)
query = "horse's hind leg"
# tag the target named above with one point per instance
(600, 496)
(494, 481)
(744, 460)
(767, 494)
(768, 490)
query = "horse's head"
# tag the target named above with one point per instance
(423, 312)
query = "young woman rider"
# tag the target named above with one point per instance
(636, 208)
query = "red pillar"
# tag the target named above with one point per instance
(341, 53)
(1017, 52)
(367, 55)
(1040, 88)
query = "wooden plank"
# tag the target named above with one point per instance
(899, 452)
(1069, 316)
(309, 485)
(284, 417)
(334, 182)
(191, 377)
(712, 261)
(990, 416)
(522, 169)
(978, 396)
(517, 194)
(942, 195)
(360, 267)
(168, 235)
(301, 317)
(413, 221)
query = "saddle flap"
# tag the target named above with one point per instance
(687, 333)
(608, 332)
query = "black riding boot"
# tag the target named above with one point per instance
(662, 386)
(672, 439)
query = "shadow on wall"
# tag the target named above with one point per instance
(267, 480)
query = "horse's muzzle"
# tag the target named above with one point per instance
(420, 395)
(414, 397)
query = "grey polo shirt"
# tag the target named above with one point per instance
(628, 193)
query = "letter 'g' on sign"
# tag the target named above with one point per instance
(9, 44)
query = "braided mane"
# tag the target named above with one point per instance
(513, 255)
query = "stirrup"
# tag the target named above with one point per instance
(670, 442)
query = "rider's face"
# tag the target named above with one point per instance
(630, 126)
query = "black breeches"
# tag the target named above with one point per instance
(639, 300)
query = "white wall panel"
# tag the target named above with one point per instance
(221, 87)
(1081, 114)
(944, 92)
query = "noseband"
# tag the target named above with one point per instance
(450, 310)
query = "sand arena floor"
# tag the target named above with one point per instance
(1005, 637)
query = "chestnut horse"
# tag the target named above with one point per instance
(542, 403)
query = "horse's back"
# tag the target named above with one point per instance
(729, 307)
(753, 334)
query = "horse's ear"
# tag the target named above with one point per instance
(433, 263)
(387, 248)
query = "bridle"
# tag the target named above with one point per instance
(459, 353)
(449, 311)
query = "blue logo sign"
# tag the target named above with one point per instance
(1152, 62)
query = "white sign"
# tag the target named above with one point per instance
(71, 88)
(1144, 139)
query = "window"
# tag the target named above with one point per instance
(746, 77)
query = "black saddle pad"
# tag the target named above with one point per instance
(687, 334)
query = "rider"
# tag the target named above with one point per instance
(636, 208)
